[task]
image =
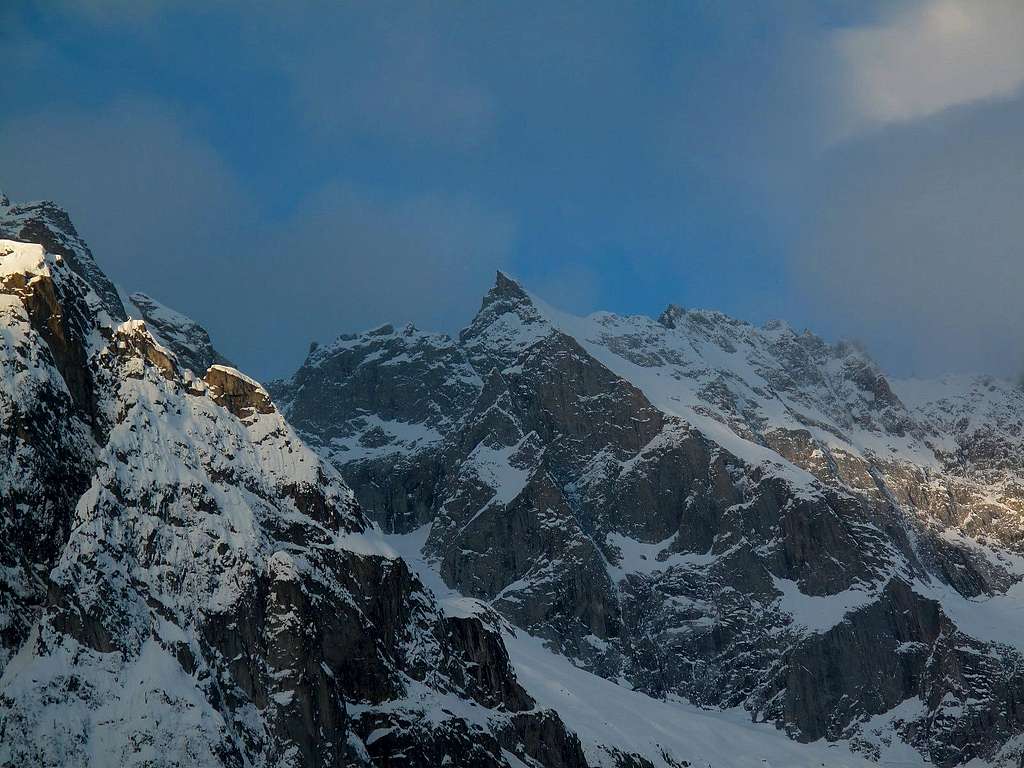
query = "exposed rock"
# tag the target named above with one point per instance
(188, 340)
(48, 421)
(241, 395)
(134, 341)
(383, 423)
(49, 225)
(694, 508)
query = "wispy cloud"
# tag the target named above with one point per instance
(915, 242)
(930, 56)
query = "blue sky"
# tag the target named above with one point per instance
(288, 172)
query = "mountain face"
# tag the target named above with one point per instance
(706, 511)
(553, 541)
(184, 583)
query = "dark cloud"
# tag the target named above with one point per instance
(345, 261)
(388, 71)
(112, 11)
(569, 287)
(154, 200)
(165, 214)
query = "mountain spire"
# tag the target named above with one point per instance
(671, 316)
(508, 322)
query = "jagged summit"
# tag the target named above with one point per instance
(48, 224)
(337, 396)
(506, 286)
(665, 530)
(407, 335)
(509, 321)
(505, 295)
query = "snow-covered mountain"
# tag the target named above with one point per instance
(184, 583)
(698, 509)
(604, 541)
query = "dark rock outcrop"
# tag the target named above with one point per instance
(188, 340)
(237, 392)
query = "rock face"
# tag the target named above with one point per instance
(189, 341)
(384, 419)
(185, 583)
(49, 429)
(243, 396)
(738, 516)
(49, 225)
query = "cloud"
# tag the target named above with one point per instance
(932, 55)
(113, 11)
(572, 287)
(346, 260)
(165, 214)
(152, 198)
(915, 244)
(668, 157)
(911, 236)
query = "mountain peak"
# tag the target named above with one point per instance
(507, 287)
(508, 322)
(48, 224)
(189, 341)
(671, 316)
(506, 295)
